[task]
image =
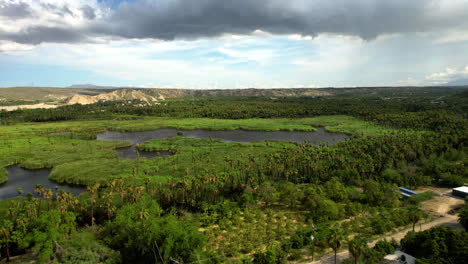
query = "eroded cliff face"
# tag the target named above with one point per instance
(117, 95)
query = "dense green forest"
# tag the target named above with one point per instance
(224, 202)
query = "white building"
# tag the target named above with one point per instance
(460, 191)
(399, 257)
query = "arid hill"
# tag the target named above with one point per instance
(117, 95)
(41, 94)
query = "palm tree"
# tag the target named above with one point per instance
(415, 214)
(6, 228)
(109, 206)
(29, 196)
(39, 189)
(356, 247)
(64, 200)
(147, 182)
(92, 190)
(48, 194)
(30, 210)
(335, 238)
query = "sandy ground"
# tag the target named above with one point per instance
(439, 206)
(33, 106)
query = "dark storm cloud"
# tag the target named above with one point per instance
(190, 19)
(15, 10)
(367, 19)
(203, 18)
(39, 34)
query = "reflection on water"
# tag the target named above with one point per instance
(27, 180)
(243, 136)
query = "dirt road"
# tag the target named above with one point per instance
(448, 220)
(439, 206)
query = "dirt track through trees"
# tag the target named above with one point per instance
(448, 220)
(439, 206)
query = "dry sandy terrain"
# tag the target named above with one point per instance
(442, 204)
(33, 106)
(124, 94)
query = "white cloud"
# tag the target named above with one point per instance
(145, 64)
(9, 46)
(332, 53)
(437, 78)
(450, 74)
(298, 37)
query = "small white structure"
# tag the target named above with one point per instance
(460, 191)
(399, 257)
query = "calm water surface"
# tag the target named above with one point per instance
(243, 136)
(27, 180)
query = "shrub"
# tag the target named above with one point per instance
(82, 247)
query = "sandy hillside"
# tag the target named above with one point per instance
(118, 95)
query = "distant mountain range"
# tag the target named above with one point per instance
(92, 86)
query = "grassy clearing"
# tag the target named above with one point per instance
(40, 152)
(192, 157)
(346, 124)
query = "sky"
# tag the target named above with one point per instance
(222, 44)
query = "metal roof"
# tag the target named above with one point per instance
(407, 191)
(461, 189)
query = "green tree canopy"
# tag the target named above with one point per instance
(140, 233)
